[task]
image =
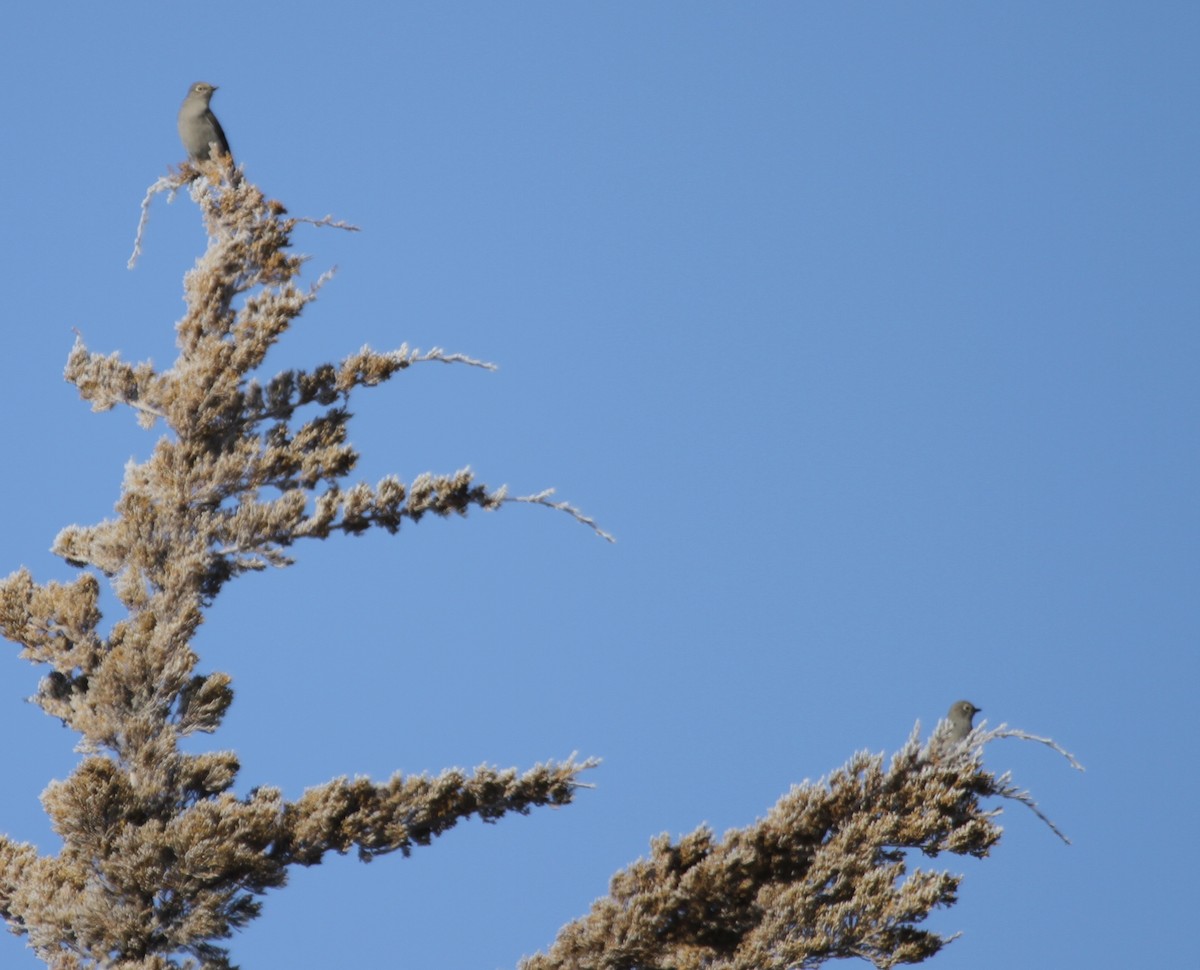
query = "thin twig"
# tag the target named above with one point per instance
(328, 221)
(1004, 786)
(1006, 732)
(543, 498)
(166, 183)
(1005, 790)
(438, 354)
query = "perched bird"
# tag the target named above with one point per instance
(199, 129)
(960, 717)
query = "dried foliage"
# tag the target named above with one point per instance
(160, 861)
(823, 876)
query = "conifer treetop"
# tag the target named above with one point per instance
(160, 859)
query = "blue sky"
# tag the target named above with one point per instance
(870, 330)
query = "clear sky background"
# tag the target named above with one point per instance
(870, 330)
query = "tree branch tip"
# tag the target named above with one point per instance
(1004, 731)
(324, 278)
(1016, 795)
(543, 498)
(328, 221)
(439, 354)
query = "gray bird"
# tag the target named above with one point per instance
(199, 129)
(960, 717)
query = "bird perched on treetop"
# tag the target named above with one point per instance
(960, 717)
(199, 129)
